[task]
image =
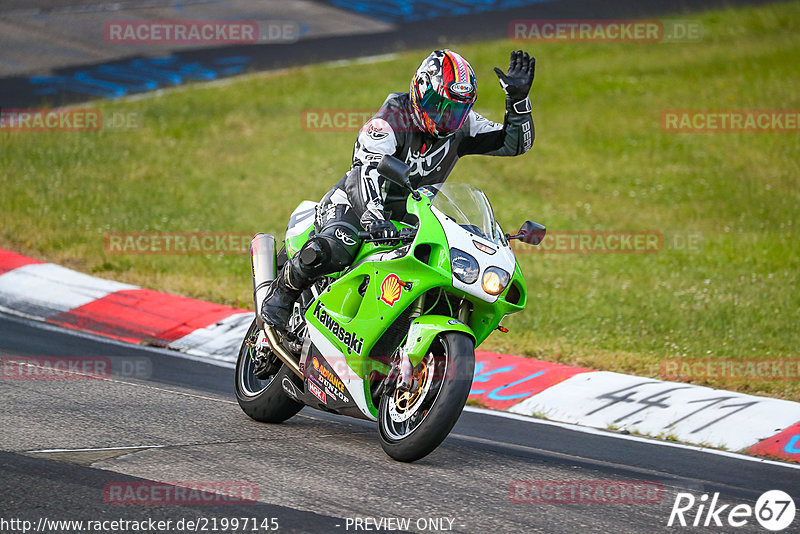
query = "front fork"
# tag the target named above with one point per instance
(401, 371)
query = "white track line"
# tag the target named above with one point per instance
(629, 437)
(132, 447)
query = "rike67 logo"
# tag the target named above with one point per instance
(774, 511)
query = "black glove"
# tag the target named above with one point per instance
(517, 82)
(382, 231)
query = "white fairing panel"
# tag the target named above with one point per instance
(302, 218)
(337, 362)
(458, 237)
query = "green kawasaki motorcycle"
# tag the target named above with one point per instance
(392, 338)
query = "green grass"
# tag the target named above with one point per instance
(235, 158)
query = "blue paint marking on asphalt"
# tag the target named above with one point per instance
(136, 80)
(792, 447)
(137, 75)
(479, 376)
(412, 10)
(50, 85)
(495, 394)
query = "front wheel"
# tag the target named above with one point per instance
(262, 398)
(413, 423)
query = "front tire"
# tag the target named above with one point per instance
(412, 424)
(263, 399)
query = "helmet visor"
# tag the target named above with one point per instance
(447, 115)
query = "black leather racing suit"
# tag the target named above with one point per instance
(362, 195)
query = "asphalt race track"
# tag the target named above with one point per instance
(169, 418)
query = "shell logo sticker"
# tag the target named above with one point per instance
(391, 289)
(315, 363)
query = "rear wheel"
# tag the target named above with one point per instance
(261, 396)
(413, 423)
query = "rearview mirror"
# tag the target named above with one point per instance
(396, 172)
(531, 233)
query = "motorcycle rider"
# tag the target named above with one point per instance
(429, 128)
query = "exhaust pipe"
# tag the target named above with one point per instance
(282, 353)
(263, 262)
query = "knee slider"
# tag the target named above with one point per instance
(340, 255)
(314, 253)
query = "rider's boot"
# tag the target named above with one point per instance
(282, 295)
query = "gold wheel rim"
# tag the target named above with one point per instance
(405, 401)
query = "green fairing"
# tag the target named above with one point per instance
(425, 329)
(353, 317)
(294, 244)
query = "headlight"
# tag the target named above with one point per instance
(495, 280)
(464, 266)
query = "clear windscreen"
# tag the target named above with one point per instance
(468, 207)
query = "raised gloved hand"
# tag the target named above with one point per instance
(518, 80)
(382, 231)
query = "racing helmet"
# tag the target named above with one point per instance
(443, 91)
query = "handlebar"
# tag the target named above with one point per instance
(407, 235)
